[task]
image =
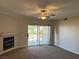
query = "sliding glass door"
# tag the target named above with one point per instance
(38, 35)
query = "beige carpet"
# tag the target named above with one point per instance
(40, 52)
(17, 54)
(51, 52)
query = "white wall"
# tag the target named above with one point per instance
(67, 34)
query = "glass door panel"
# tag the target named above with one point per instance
(44, 35)
(32, 35)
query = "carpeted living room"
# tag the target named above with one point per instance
(39, 29)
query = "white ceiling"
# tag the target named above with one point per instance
(61, 8)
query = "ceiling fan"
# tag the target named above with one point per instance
(43, 12)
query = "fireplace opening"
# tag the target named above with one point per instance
(8, 42)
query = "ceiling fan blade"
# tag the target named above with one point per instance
(52, 14)
(52, 8)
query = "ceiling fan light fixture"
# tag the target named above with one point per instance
(44, 14)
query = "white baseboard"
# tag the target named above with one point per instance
(3, 52)
(68, 50)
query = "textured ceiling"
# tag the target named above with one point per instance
(61, 8)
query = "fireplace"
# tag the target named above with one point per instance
(8, 42)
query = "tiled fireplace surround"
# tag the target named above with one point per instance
(9, 38)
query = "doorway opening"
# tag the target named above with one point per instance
(38, 35)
